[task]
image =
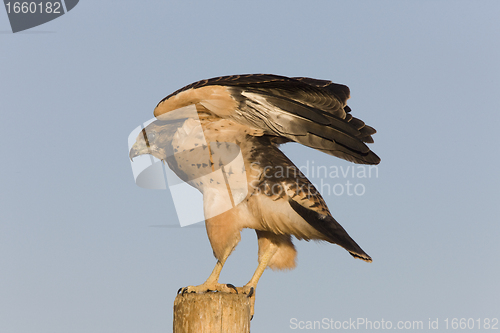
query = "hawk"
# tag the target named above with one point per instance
(251, 115)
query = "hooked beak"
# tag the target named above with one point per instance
(133, 153)
(139, 148)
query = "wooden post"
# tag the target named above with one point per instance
(212, 312)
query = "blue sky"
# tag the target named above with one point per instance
(80, 250)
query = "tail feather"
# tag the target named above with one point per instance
(331, 229)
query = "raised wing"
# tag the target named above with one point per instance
(308, 111)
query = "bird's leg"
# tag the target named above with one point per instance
(212, 283)
(249, 288)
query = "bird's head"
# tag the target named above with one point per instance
(155, 139)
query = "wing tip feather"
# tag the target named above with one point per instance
(362, 256)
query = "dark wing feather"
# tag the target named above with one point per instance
(329, 227)
(321, 94)
(308, 111)
(302, 196)
(232, 80)
(318, 123)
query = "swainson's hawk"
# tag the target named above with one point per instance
(252, 115)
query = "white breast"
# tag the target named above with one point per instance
(216, 168)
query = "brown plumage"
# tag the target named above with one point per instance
(251, 115)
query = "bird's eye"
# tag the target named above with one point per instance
(148, 136)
